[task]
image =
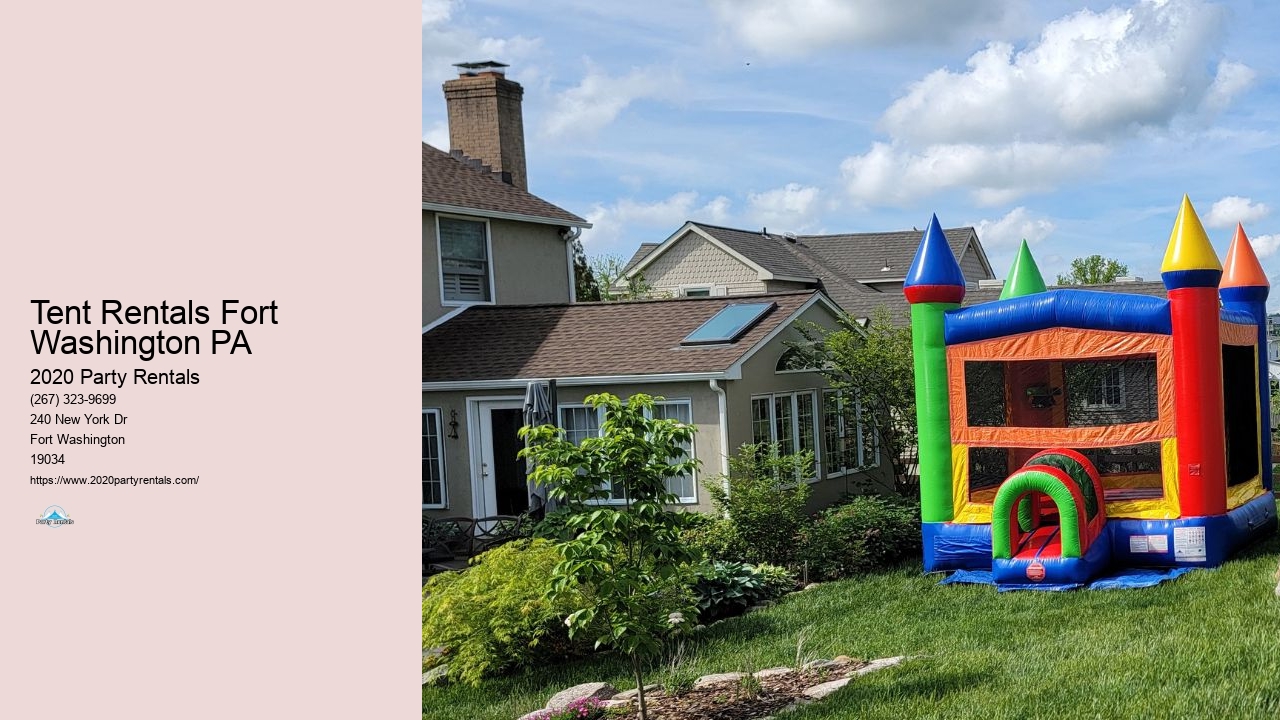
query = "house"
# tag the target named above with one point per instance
(860, 271)
(485, 238)
(499, 312)
(719, 362)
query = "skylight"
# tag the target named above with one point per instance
(729, 324)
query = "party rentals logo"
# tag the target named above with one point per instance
(54, 516)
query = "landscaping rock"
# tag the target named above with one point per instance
(718, 678)
(530, 715)
(615, 702)
(436, 675)
(880, 664)
(842, 659)
(771, 672)
(820, 664)
(632, 693)
(811, 586)
(758, 608)
(597, 690)
(817, 692)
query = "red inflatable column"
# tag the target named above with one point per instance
(1191, 273)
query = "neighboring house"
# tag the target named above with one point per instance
(485, 238)
(858, 271)
(728, 384)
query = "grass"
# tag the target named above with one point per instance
(1207, 643)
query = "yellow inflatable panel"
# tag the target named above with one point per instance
(1189, 246)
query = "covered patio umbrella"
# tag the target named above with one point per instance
(539, 409)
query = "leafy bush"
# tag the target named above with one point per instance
(764, 497)
(715, 539)
(867, 533)
(495, 615)
(555, 525)
(724, 589)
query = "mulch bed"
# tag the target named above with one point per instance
(730, 700)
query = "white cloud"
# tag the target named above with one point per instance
(437, 135)
(789, 208)
(897, 175)
(1235, 209)
(445, 43)
(600, 98)
(798, 27)
(654, 220)
(1089, 76)
(1265, 246)
(1020, 121)
(1231, 79)
(1017, 225)
(436, 11)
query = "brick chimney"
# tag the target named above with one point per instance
(485, 119)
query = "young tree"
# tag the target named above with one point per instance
(608, 271)
(873, 364)
(629, 560)
(585, 287)
(1093, 270)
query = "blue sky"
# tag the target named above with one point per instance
(1077, 126)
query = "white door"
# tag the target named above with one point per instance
(499, 485)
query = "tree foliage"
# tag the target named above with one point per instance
(609, 270)
(1093, 270)
(629, 558)
(585, 287)
(873, 364)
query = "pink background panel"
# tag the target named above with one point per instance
(259, 151)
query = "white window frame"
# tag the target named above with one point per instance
(444, 485)
(693, 474)
(1102, 384)
(712, 289)
(865, 457)
(611, 500)
(814, 397)
(489, 261)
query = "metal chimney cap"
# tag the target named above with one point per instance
(474, 68)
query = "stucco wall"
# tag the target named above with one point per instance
(694, 260)
(528, 262)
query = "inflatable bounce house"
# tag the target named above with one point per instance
(1065, 434)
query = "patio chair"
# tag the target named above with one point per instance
(495, 530)
(447, 543)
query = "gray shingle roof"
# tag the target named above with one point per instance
(864, 255)
(770, 252)
(855, 256)
(447, 180)
(642, 252)
(589, 339)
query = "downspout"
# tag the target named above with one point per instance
(569, 235)
(724, 432)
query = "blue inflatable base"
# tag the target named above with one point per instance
(1122, 579)
(1194, 542)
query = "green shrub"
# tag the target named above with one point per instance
(495, 615)
(764, 497)
(724, 589)
(868, 533)
(715, 539)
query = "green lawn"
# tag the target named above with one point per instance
(1205, 645)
